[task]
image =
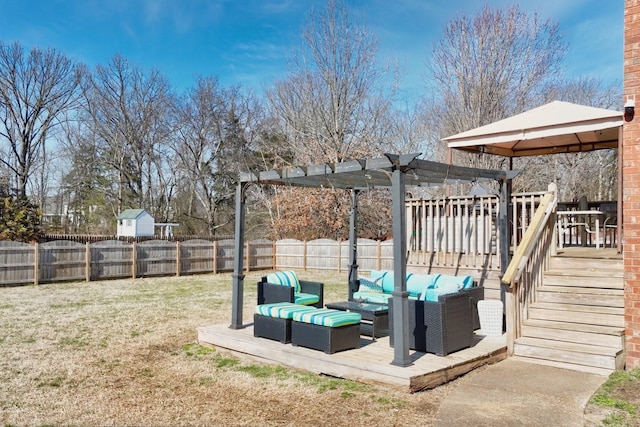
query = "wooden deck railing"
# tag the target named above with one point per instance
(531, 258)
(463, 231)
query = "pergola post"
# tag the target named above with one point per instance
(238, 261)
(353, 245)
(400, 296)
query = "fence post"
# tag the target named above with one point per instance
(246, 256)
(339, 242)
(215, 257)
(379, 257)
(134, 260)
(87, 265)
(248, 252)
(274, 255)
(304, 256)
(36, 263)
(177, 257)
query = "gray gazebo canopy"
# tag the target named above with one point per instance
(391, 171)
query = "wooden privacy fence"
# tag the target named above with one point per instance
(327, 254)
(451, 232)
(22, 263)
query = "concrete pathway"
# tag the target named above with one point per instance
(518, 393)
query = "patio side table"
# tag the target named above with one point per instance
(376, 315)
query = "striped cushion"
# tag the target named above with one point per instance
(285, 278)
(368, 284)
(281, 310)
(306, 299)
(327, 317)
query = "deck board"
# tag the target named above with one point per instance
(369, 364)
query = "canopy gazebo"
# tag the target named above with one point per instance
(553, 128)
(395, 172)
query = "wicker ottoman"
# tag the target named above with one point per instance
(326, 330)
(273, 321)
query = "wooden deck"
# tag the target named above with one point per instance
(369, 364)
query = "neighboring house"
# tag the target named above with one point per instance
(135, 223)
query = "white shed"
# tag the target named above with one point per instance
(135, 223)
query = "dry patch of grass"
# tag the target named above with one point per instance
(122, 352)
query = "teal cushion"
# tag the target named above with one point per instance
(427, 282)
(282, 310)
(328, 317)
(462, 282)
(305, 299)
(387, 282)
(373, 297)
(285, 278)
(417, 283)
(368, 284)
(467, 282)
(377, 274)
(447, 287)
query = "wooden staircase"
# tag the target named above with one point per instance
(577, 320)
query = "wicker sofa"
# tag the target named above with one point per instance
(378, 287)
(441, 326)
(285, 286)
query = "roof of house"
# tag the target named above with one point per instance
(131, 213)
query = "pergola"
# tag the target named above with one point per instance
(392, 171)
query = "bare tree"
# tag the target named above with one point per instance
(129, 114)
(213, 144)
(333, 104)
(36, 90)
(489, 67)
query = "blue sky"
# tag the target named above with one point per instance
(249, 42)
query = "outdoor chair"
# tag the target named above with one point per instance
(284, 286)
(439, 327)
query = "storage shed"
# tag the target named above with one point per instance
(135, 223)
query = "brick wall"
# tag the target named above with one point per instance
(631, 180)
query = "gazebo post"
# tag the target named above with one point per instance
(510, 294)
(399, 295)
(353, 245)
(238, 261)
(503, 223)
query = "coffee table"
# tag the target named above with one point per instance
(377, 315)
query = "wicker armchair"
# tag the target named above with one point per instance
(269, 293)
(439, 327)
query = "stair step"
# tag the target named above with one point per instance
(574, 332)
(599, 272)
(584, 296)
(560, 262)
(581, 354)
(589, 314)
(605, 280)
(563, 365)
